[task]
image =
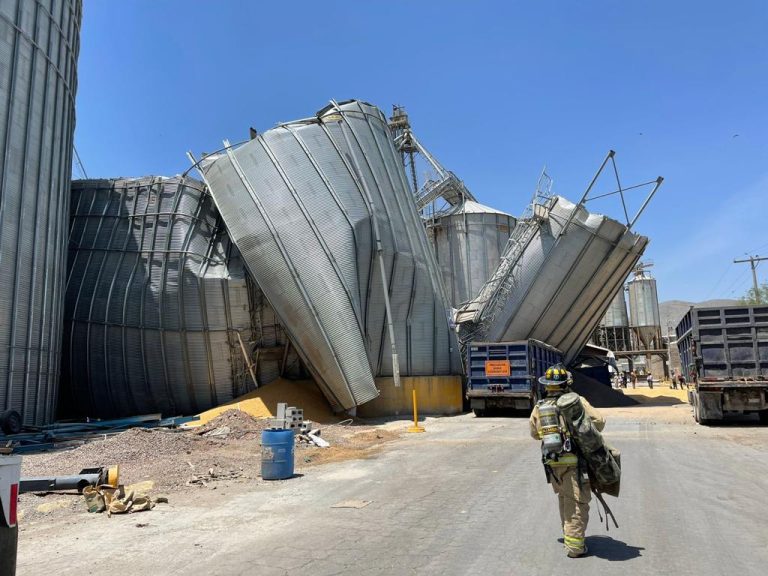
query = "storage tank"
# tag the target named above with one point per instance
(157, 303)
(616, 315)
(644, 309)
(613, 330)
(468, 243)
(39, 44)
(557, 278)
(322, 212)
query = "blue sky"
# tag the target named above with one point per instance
(496, 90)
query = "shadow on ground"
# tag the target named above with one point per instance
(607, 548)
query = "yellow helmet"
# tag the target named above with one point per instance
(556, 379)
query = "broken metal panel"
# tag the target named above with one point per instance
(320, 208)
(558, 276)
(39, 44)
(155, 294)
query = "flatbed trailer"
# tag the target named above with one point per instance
(724, 351)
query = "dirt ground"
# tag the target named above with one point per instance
(223, 454)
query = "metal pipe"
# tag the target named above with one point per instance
(659, 180)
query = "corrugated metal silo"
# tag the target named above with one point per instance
(39, 44)
(558, 275)
(616, 315)
(468, 243)
(156, 298)
(312, 205)
(644, 309)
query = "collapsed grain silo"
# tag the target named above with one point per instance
(39, 44)
(322, 213)
(468, 241)
(559, 273)
(159, 311)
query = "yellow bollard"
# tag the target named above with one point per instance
(415, 427)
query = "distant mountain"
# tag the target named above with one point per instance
(672, 311)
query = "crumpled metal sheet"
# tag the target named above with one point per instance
(307, 203)
(155, 296)
(560, 280)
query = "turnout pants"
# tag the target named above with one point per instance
(574, 499)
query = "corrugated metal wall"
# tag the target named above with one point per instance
(39, 44)
(564, 276)
(156, 294)
(306, 203)
(468, 246)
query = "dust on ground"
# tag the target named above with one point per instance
(224, 453)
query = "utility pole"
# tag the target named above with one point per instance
(753, 260)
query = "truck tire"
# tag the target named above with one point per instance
(479, 412)
(696, 412)
(10, 422)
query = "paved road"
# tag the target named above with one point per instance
(468, 497)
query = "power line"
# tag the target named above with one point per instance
(714, 288)
(734, 285)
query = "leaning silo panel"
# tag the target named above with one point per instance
(156, 294)
(557, 278)
(468, 243)
(39, 44)
(308, 203)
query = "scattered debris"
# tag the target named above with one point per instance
(220, 431)
(115, 500)
(170, 461)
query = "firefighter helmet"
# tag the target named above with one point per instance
(556, 379)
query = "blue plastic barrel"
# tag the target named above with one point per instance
(276, 454)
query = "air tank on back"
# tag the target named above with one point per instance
(39, 44)
(468, 242)
(644, 308)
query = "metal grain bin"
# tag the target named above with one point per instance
(39, 44)
(156, 299)
(468, 243)
(616, 315)
(644, 309)
(557, 278)
(316, 206)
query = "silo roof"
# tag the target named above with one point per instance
(472, 207)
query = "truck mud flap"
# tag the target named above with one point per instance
(710, 406)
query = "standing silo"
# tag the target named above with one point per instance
(613, 331)
(468, 243)
(644, 309)
(39, 44)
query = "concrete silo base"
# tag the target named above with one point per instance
(435, 395)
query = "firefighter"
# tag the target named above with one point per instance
(564, 469)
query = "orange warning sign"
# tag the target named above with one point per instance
(497, 367)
